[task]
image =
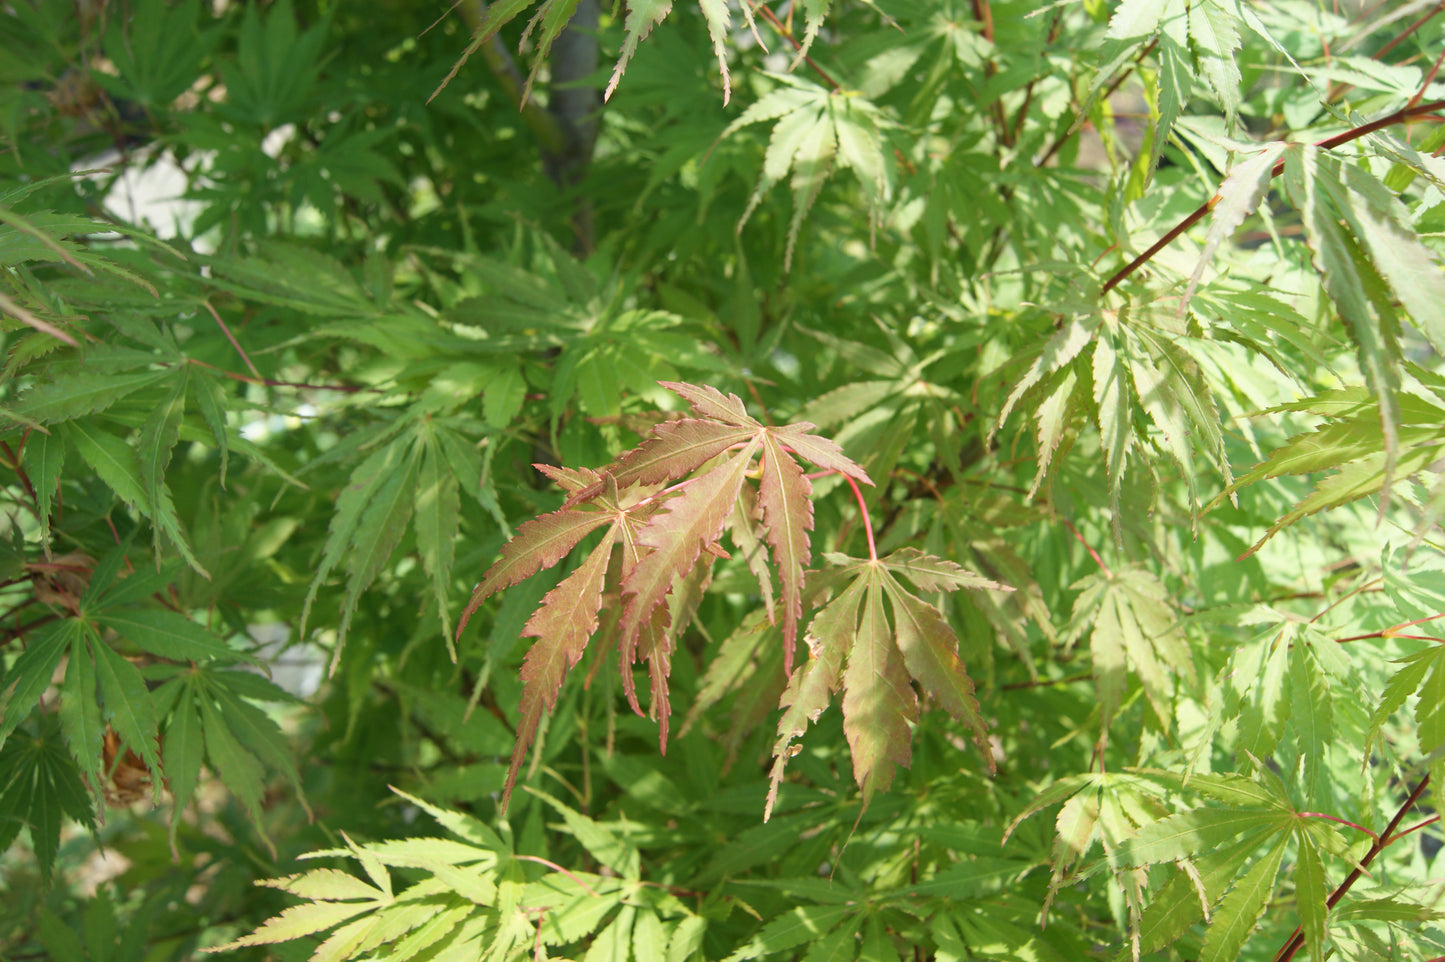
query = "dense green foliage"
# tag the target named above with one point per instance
(1007, 433)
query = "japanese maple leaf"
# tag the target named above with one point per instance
(568, 615)
(854, 646)
(665, 505)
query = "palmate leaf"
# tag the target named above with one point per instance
(127, 703)
(814, 131)
(1311, 895)
(1198, 39)
(1189, 896)
(68, 397)
(1212, 845)
(674, 450)
(1422, 672)
(831, 635)
(169, 635)
(785, 502)
(676, 535)
(209, 719)
(237, 768)
(1376, 215)
(1240, 910)
(538, 544)
(438, 506)
(1238, 197)
(158, 439)
(181, 753)
(80, 713)
(411, 475)
(1130, 628)
(30, 675)
(879, 705)
(930, 652)
(1124, 814)
(1214, 40)
(41, 784)
(298, 921)
(669, 540)
(608, 847)
(806, 923)
(1136, 370)
(378, 532)
(113, 460)
(1058, 351)
(1113, 400)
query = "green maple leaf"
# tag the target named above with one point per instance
(815, 133)
(42, 784)
(1131, 629)
(879, 705)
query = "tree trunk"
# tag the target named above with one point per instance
(576, 106)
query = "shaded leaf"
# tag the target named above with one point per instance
(1242, 907)
(831, 635)
(878, 703)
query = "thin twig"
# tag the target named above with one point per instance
(1054, 29)
(1393, 631)
(20, 630)
(787, 34)
(995, 241)
(1342, 821)
(268, 382)
(557, 868)
(1089, 548)
(1387, 837)
(1329, 143)
(1358, 589)
(762, 405)
(983, 13)
(13, 462)
(1054, 147)
(1429, 79)
(232, 338)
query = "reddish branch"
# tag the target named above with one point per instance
(1387, 837)
(269, 382)
(1409, 30)
(232, 338)
(1089, 548)
(1118, 82)
(1429, 79)
(1018, 123)
(1394, 631)
(787, 32)
(12, 461)
(983, 13)
(1329, 143)
(863, 510)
